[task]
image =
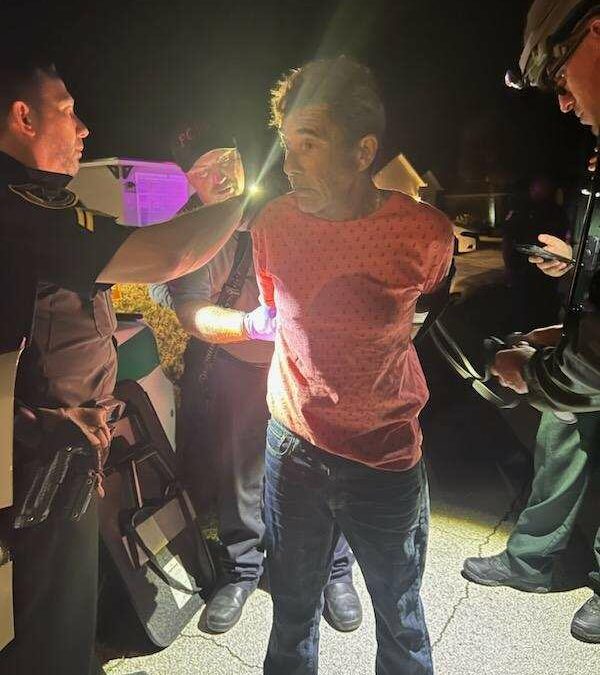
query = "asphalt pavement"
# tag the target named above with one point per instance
(474, 630)
(479, 464)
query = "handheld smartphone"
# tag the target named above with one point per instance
(544, 253)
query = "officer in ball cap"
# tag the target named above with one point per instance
(558, 366)
(223, 412)
(190, 145)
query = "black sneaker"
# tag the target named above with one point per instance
(586, 622)
(495, 571)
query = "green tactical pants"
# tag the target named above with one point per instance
(564, 458)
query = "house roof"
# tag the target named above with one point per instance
(432, 181)
(400, 175)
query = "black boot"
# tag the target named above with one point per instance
(225, 607)
(342, 609)
(586, 622)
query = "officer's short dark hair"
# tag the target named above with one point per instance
(20, 77)
(344, 85)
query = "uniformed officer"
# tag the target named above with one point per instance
(70, 256)
(562, 51)
(227, 444)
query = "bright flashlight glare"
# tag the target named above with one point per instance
(255, 189)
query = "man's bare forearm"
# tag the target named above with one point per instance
(166, 251)
(211, 323)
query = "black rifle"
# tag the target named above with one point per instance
(586, 275)
(586, 261)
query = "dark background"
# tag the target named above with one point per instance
(138, 68)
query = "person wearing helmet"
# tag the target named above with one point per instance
(562, 54)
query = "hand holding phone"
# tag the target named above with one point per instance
(556, 248)
(533, 250)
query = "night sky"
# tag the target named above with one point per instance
(139, 68)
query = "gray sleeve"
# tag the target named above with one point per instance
(194, 286)
(160, 294)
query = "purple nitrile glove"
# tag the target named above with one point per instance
(261, 323)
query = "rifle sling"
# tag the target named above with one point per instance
(230, 292)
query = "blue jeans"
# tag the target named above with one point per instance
(310, 496)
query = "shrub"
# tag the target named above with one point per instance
(170, 337)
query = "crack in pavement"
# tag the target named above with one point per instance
(213, 641)
(482, 544)
(455, 609)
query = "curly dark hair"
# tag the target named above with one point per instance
(344, 85)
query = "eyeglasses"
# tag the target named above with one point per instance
(561, 53)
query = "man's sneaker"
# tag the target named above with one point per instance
(342, 609)
(495, 571)
(586, 622)
(225, 607)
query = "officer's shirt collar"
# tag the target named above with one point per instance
(12, 171)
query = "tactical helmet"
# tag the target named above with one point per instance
(554, 30)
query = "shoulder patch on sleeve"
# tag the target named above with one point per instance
(45, 197)
(85, 218)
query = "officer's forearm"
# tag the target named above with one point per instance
(211, 323)
(571, 368)
(166, 251)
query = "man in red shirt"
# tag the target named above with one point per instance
(343, 264)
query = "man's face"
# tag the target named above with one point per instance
(320, 166)
(580, 79)
(217, 175)
(540, 190)
(57, 144)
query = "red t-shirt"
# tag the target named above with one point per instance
(345, 375)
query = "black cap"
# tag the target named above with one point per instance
(193, 140)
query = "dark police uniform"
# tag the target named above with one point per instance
(70, 360)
